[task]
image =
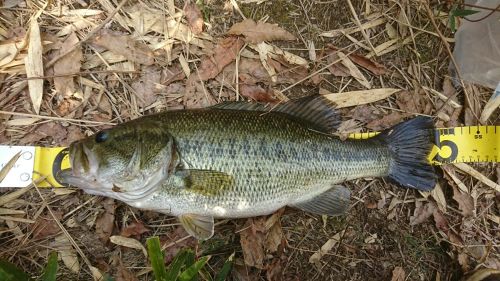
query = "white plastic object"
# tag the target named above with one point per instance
(477, 45)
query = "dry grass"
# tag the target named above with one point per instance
(379, 232)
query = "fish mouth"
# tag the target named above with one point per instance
(83, 169)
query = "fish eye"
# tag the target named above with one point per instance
(101, 137)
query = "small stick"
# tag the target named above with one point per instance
(54, 118)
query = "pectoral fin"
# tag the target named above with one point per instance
(200, 227)
(206, 182)
(333, 202)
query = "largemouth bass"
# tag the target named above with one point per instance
(239, 159)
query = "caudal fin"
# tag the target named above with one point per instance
(410, 143)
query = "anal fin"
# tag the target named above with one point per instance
(333, 202)
(199, 226)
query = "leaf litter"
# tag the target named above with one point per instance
(132, 66)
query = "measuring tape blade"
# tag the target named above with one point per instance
(451, 145)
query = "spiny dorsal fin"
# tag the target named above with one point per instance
(315, 109)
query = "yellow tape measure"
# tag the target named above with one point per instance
(452, 145)
(460, 144)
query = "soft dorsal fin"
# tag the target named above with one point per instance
(315, 109)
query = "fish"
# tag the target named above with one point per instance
(242, 159)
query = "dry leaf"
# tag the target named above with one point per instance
(4, 171)
(9, 51)
(259, 32)
(365, 62)
(491, 105)
(146, 86)
(398, 274)
(68, 64)
(274, 233)
(194, 17)
(465, 202)
(337, 69)
(128, 242)
(104, 224)
(34, 66)
(252, 242)
(67, 253)
(441, 221)
(354, 70)
(176, 241)
(354, 98)
(96, 273)
(316, 257)
(50, 129)
(45, 225)
(123, 274)
(387, 121)
(257, 93)
(225, 52)
(136, 228)
(124, 45)
(471, 171)
(422, 212)
(438, 195)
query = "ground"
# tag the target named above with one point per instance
(136, 63)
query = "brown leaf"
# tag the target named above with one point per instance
(257, 93)
(136, 228)
(440, 220)
(258, 32)
(196, 95)
(175, 243)
(194, 17)
(45, 225)
(74, 133)
(422, 212)
(105, 222)
(123, 274)
(274, 271)
(124, 45)
(146, 86)
(225, 52)
(465, 202)
(50, 129)
(337, 69)
(413, 102)
(387, 121)
(68, 64)
(252, 242)
(172, 74)
(398, 274)
(366, 63)
(274, 235)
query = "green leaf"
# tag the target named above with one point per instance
(51, 268)
(176, 265)
(226, 268)
(190, 260)
(192, 271)
(156, 258)
(453, 25)
(462, 13)
(10, 272)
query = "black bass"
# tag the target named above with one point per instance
(239, 159)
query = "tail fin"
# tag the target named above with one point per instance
(410, 143)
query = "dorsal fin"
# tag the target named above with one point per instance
(315, 109)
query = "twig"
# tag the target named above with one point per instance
(358, 22)
(54, 118)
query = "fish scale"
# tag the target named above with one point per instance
(270, 165)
